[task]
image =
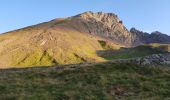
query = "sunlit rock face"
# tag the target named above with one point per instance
(105, 25)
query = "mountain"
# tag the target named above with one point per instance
(60, 41)
(71, 40)
(154, 37)
(132, 65)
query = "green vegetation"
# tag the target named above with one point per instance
(37, 58)
(109, 46)
(156, 44)
(139, 51)
(111, 52)
(105, 81)
(104, 44)
(163, 47)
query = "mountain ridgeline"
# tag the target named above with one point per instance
(146, 38)
(111, 28)
(71, 40)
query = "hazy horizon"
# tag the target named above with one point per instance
(144, 15)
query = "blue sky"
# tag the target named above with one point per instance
(146, 15)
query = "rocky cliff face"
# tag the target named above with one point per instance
(109, 27)
(154, 37)
(105, 25)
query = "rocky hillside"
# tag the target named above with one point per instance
(146, 38)
(111, 28)
(104, 25)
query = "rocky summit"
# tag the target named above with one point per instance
(71, 40)
(104, 25)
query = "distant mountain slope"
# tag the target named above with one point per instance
(154, 37)
(69, 40)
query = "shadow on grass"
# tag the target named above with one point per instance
(124, 53)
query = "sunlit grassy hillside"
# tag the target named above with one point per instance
(38, 46)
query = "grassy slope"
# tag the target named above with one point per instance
(105, 81)
(59, 44)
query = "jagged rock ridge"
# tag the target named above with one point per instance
(110, 27)
(154, 37)
(105, 25)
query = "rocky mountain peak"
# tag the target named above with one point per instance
(154, 37)
(109, 27)
(104, 25)
(134, 30)
(97, 15)
(156, 33)
(106, 18)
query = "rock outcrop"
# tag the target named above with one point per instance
(155, 59)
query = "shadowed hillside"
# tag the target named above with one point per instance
(139, 51)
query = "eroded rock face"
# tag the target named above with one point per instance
(105, 25)
(110, 27)
(140, 37)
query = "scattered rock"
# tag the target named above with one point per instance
(155, 59)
